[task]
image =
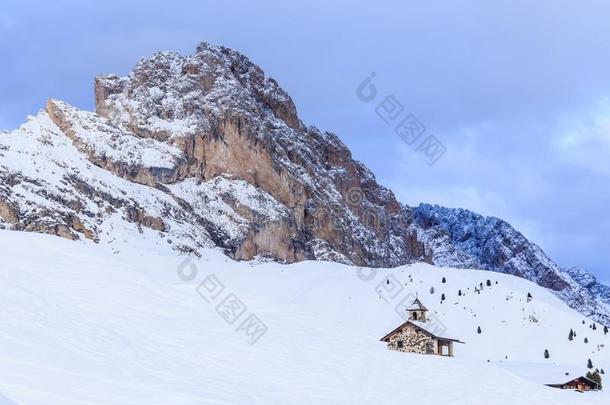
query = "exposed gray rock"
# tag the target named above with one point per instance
(229, 119)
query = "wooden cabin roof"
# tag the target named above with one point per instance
(590, 382)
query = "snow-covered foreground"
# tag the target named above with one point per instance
(79, 324)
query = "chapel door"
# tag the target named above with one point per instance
(430, 348)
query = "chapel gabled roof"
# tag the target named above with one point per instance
(421, 326)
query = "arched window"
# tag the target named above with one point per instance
(415, 316)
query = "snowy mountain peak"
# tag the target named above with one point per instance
(204, 150)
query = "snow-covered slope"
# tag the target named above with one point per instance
(49, 186)
(81, 324)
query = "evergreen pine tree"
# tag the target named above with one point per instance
(586, 340)
(442, 297)
(546, 353)
(432, 290)
(460, 293)
(589, 364)
(597, 377)
(594, 377)
(488, 283)
(605, 330)
(594, 327)
(529, 296)
(571, 335)
(444, 280)
(479, 330)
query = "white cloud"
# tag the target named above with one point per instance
(514, 174)
(584, 139)
(470, 177)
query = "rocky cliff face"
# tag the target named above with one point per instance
(229, 120)
(187, 152)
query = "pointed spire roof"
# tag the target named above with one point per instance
(417, 306)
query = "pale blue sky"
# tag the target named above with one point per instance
(517, 90)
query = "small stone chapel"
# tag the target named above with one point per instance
(419, 335)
